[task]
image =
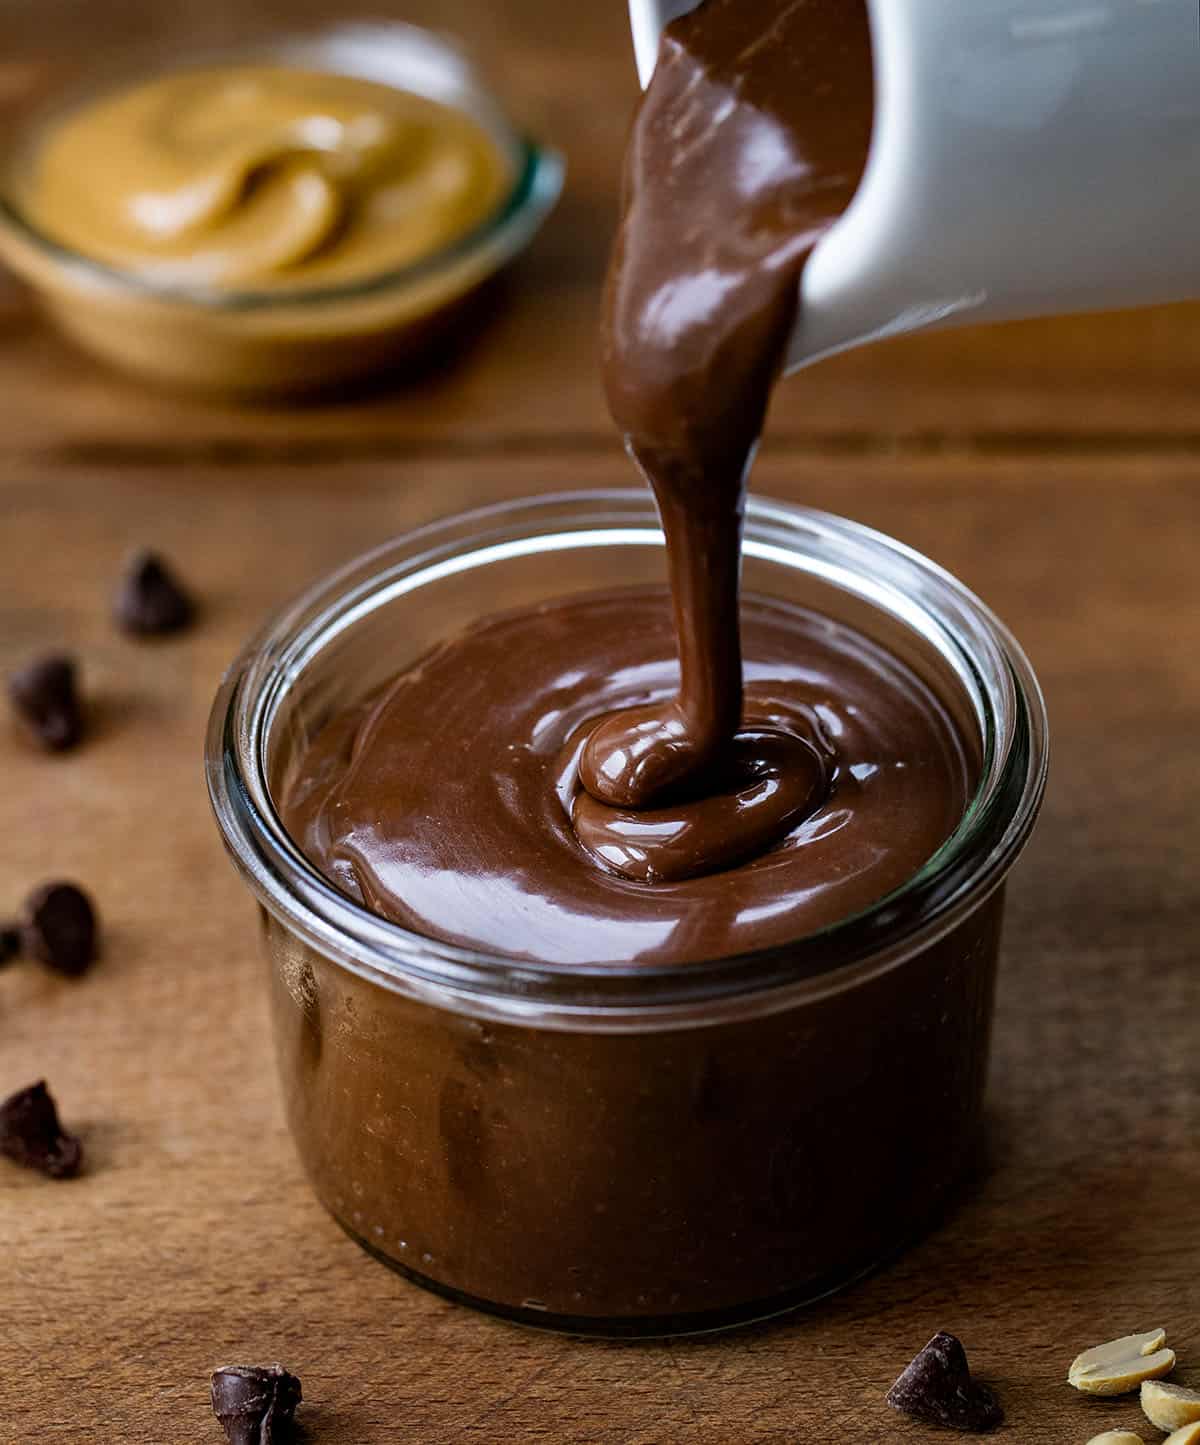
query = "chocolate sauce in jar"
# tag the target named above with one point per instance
(445, 802)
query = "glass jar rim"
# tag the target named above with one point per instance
(622, 995)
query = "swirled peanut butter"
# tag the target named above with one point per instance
(261, 176)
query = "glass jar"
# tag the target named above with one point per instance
(629, 1148)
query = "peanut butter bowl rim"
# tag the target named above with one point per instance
(626, 996)
(370, 52)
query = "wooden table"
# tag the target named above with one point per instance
(1054, 466)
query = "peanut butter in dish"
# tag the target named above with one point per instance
(287, 220)
(253, 177)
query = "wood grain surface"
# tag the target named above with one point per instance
(1055, 466)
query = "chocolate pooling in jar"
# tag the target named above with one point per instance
(749, 144)
(445, 800)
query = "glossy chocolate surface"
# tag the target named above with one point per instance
(446, 801)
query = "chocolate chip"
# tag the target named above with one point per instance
(937, 1388)
(59, 927)
(10, 942)
(31, 1135)
(150, 600)
(255, 1403)
(46, 702)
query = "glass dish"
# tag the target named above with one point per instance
(629, 1149)
(285, 341)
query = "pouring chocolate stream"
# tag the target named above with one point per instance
(749, 144)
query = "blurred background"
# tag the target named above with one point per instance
(566, 75)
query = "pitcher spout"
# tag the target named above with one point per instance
(1026, 159)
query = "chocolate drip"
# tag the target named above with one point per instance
(749, 144)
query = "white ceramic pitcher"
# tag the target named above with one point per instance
(1028, 157)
